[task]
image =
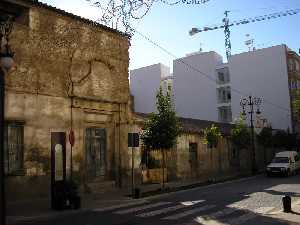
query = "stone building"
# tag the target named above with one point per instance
(70, 74)
(293, 70)
(191, 160)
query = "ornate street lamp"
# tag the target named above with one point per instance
(250, 102)
(6, 62)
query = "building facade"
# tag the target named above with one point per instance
(263, 73)
(294, 86)
(70, 76)
(205, 88)
(144, 84)
(192, 160)
(194, 91)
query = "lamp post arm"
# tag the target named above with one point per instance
(6, 61)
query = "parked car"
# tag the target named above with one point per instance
(284, 163)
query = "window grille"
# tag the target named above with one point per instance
(13, 148)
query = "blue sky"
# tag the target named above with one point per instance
(168, 26)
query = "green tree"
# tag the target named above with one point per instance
(162, 128)
(212, 135)
(265, 138)
(240, 135)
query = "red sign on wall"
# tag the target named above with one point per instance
(72, 138)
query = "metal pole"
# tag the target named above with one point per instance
(71, 153)
(132, 171)
(2, 175)
(252, 135)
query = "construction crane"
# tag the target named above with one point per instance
(227, 24)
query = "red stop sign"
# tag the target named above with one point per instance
(71, 138)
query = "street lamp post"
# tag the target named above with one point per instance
(250, 102)
(6, 62)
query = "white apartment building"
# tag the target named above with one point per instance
(263, 73)
(206, 88)
(194, 93)
(144, 84)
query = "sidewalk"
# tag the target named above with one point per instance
(40, 208)
(292, 218)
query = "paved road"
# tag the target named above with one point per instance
(241, 202)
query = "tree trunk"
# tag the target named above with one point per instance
(163, 169)
(238, 158)
(265, 157)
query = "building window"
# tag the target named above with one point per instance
(297, 66)
(291, 65)
(293, 84)
(225, 114)
(224, 94)
(223, 76)
(13, 148)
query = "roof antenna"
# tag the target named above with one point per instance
(249, 43)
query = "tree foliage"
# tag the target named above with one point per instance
(162, 128)
(265, 137)
(283, 139)
(240, 134)
(212, 135)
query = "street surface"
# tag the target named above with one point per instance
(248, 201)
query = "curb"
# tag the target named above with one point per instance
(278, 212)
(196, 186)
(17, 219)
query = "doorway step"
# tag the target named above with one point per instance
(99, 186)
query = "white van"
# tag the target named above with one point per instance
(286, 163)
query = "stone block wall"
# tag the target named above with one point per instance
(63, 62)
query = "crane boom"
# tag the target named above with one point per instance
(226, 24)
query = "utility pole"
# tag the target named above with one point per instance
(2, 173)
(250, 102)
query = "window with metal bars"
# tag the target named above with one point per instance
(14, 148)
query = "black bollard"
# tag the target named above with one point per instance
(137, 193)
(286, 201)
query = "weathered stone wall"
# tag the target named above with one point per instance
(211, 164)
(53, 51)
(59, 58)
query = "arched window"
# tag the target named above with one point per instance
(297, 65)
(291, 65)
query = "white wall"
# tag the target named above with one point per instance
(144, 84)
(194, 94)
(262, 73)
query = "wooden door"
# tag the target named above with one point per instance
(193, 159)
(95, 152)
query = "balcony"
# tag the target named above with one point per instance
(223, 76)
(224, 95)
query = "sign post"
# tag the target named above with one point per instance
(133, 141)
(72, 142)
